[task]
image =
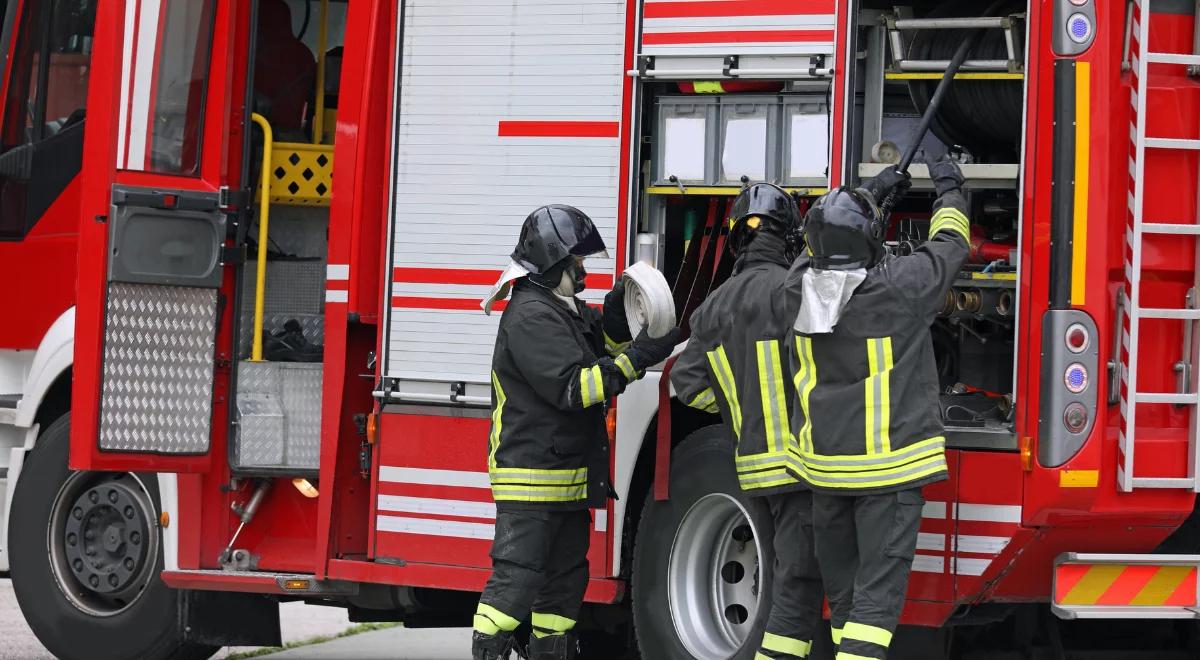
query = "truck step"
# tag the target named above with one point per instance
(1166, 397)
(1170, 228)
(1172, 58)
(1126, 586)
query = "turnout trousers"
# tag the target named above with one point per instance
(797, 594)
(865, 546)
(539, 567)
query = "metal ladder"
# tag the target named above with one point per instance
(1133, 312)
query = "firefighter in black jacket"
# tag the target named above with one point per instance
(870, 432)
(736, 363)
(556, 364)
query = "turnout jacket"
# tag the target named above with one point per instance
(868, 419)
(551, 380)
(736, 363)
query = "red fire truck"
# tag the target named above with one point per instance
(281, 387)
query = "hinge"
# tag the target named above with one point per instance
(233, 255)
(231, 200)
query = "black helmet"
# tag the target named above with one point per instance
(844, 231)
(553, 233)
(772, 204)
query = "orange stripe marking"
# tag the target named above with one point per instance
(1127, 585)
(1185, 593)
(1068, 576)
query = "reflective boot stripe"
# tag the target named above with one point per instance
(546, 625)
(490, 621)
(866, 633)
(720, 366)
(770, 382)
(785, 645)
(878, 395)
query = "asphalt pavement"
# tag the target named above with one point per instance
(298, 622)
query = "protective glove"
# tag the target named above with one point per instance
(616, 324)
(886, 181)
(946, 175)
(647, 351)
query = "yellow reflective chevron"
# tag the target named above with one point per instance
(705, 400)
(497, 420)
(878, 395)
(489, 620)
(591, 386)
(626, 366)
(770, 380)
(780, 644)
(805, 381)
(950, 219)
(865, 633)
(720, 366)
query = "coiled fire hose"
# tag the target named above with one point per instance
(649, 302)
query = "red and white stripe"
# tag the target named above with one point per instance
(337, 283)
(143, 22)
(1133, 252)
(962, 538)
(696, 27)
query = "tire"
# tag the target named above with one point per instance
(710, 517)
(140, 620)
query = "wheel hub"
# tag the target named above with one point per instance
(102, 541)
(714, 577)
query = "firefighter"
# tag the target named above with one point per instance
(870, 435)
(556, 364)
(734, 363)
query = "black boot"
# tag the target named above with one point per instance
(554, 647)
(491, 647)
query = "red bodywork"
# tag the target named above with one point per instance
(990, 532)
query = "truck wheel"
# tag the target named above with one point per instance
(85, 554)
(702, 560)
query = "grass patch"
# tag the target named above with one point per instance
(353, 630)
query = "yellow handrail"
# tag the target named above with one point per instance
(264, 218)
(318, 132)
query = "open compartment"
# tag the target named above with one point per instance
(981, 125)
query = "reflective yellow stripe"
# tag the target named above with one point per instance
(489, 620)
(766, 479)
(837, 635)
(950, 219)
(760, 656)
(1083, 142)
(770, 383)
(897, 458)
(539, 477)
(705, 400)
(708, 87)
(805, 381)
(551, 624)
(878, 395)
(895, 476)
(613, 346)
(528, 493)
(781, 644)
(720, 366)
(865, 633)
(497, 420)
(842, 655)
(626, 367)
(591, 386)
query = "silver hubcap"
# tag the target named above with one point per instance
(713, 578)
(103, 541)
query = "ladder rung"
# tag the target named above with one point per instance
(1167, 397)
(1160, 313)
(1172, 143)
(1164, 482)
(1170, 228)
(1172, 58)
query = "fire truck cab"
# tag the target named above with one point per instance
(306, 355)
